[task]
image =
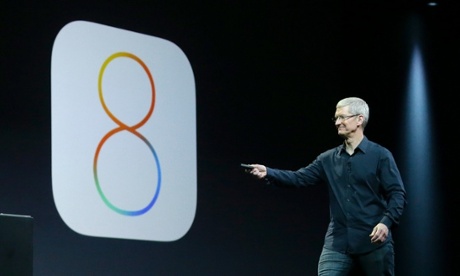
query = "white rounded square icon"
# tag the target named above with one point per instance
(123, 134)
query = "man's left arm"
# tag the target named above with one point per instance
(395, 195)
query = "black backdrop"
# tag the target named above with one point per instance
(267, 79)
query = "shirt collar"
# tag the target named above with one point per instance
(363, 145)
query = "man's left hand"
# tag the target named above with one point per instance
(379, 233)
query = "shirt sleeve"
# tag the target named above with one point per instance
(305, 176)
(394, 190)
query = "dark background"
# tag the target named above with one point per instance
(268, 76)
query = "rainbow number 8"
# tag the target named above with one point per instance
(131, 129)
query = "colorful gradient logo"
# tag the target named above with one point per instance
(123, 127)
(123, 134)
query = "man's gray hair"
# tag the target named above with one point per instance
(356, 106)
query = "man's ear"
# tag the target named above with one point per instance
(361, 120)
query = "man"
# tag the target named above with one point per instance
(366, 195)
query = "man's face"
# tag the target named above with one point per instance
(346, 122)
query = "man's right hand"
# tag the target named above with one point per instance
(259, 171)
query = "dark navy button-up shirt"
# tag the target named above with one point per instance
(365, 188)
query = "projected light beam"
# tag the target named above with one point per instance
(421, 237)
